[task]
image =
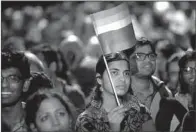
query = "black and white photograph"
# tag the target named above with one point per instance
(98, 66)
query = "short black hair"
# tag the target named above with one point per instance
(143, 42)
(17, 60)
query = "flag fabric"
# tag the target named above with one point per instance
(114, 29)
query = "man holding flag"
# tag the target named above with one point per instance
(113, 108)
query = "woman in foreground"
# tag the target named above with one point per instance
(103, 114)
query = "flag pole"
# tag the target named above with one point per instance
(107, 68)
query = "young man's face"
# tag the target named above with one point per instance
(120, 74)
(145, 66)
(11, 86)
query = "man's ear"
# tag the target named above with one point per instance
(53, 67)
(33, 128)
(133, 65)
(26, 85)
(98, 78)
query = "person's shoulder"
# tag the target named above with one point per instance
(85, 115)
(84, 121)
(177, 95)
(88, 112)
(182, 96)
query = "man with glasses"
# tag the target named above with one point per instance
(14, 74)
(147, 88)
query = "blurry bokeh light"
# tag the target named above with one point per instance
(94, 40)
(161, 7)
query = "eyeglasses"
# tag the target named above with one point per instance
(11, 79)
(142, 56)
(189, 70)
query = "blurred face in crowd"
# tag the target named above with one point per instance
(173, 75)
(189, 73)
(146, 61)
(11, 86)
(179, 23)
(52, 116)
(48, 69)
(17, 20)
(120, 74)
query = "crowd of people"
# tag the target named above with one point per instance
(54, 78)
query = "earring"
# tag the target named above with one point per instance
(101, 89)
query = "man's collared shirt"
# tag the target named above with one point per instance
(20, 126)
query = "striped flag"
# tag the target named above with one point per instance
(114, 29)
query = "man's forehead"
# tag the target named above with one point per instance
(10, 71)
(144, 49)
(120, 64)
(191, 63)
